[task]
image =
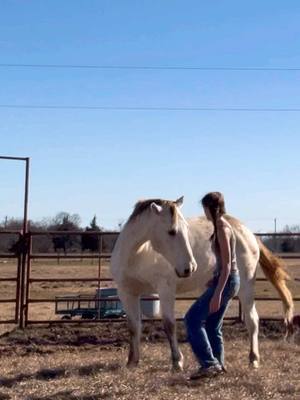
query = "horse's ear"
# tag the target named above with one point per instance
(179, 201)
(156, 208)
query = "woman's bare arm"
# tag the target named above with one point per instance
(224, 235)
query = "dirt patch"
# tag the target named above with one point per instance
(116, 334)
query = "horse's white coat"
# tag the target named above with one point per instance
(145, 259)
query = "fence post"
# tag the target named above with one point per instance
(24, 244)
(98, 303)
(23, 283)
(18, 284)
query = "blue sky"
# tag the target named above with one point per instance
(101, 162)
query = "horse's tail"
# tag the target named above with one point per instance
(274, 269)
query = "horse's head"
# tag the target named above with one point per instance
(169, 236)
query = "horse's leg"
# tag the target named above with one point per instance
(167, 302)
(246, 296)
(131, 305)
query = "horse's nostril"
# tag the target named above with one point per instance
(187, 271)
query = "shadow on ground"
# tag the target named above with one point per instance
(47, 374)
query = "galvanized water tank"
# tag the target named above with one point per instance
(150, 308)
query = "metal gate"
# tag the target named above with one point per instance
(18, 254)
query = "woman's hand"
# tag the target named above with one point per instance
(215, 303)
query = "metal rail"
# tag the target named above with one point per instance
(24, 280)
(100, 255)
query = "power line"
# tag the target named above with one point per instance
(149, 67)
(125, 108)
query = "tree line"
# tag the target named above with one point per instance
(59, 243)
(68, 243)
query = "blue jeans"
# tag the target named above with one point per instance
(204, 330)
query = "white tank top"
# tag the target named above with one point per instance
(233, 261)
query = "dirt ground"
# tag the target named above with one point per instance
(88, 363)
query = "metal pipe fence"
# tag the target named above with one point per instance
(24, 279)
(100, 256)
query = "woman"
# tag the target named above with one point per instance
(204, 319)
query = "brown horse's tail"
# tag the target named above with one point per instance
(274, 269)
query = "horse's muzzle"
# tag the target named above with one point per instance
(180, 275)
(187, 271)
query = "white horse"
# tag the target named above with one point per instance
(158, 251)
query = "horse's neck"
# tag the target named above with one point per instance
(133, 235)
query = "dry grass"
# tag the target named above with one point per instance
(87, 363)
(31, 370)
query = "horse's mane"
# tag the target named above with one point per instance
(144, 205)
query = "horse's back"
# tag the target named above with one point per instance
(247, 249)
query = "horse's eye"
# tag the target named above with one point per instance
(172, 232)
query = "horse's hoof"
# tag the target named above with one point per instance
(132, 364)
(254, 364)
(177, 366)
